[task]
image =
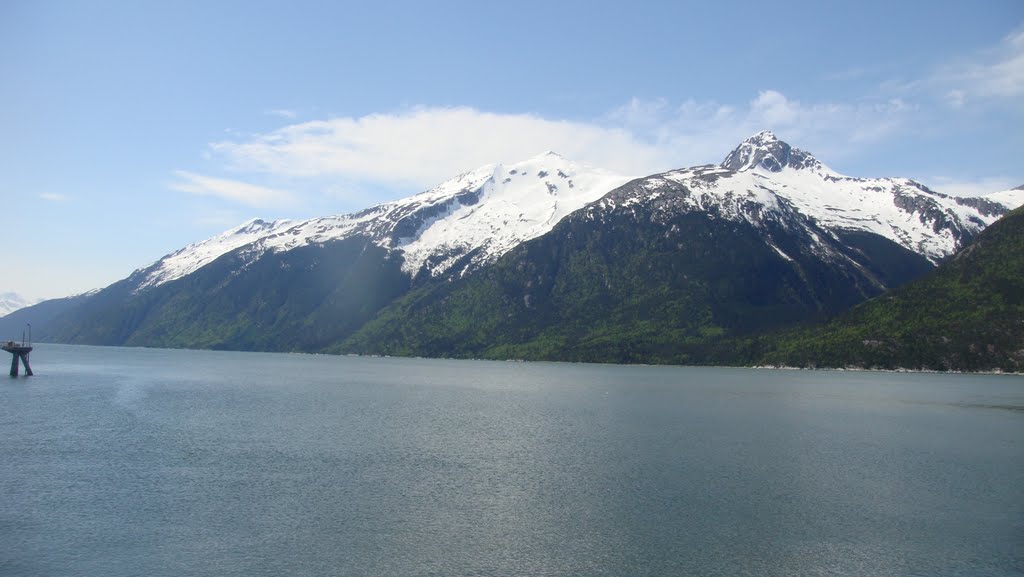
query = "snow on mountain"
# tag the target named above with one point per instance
(765, 151)
(197, 255)
(514, 204)
(1011, 199)
(721, 193)
(480, 215)
(902, 210)
(708, 188)
(10, 302)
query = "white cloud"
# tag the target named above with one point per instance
(232, 190)
(774, 109)
(424, 146)
(54, 197)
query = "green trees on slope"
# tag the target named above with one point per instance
(966, 315)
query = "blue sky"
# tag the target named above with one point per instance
(134, 128)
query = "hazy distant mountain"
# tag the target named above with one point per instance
(547, 258)
(10, 302)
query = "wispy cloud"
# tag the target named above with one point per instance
(232, 190)
(956, 98)
(282, 112)
(217, 218)
(54, 197)
(705, 131)
(993, 74)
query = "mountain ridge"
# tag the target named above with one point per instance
(423, 226)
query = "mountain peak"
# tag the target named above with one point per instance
(546, 155)
(765, 136)
(252, 225)
(765, 150)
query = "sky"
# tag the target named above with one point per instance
(133, 128)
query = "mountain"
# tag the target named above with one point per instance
(10, 302)
(505, 260)
(967, 315)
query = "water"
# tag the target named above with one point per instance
(154, 462)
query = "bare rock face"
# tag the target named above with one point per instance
(765, 150)
(983, 205)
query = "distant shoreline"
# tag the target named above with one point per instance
(512, 360)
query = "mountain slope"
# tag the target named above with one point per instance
(40, 316)
(284, 301)
(966, 315)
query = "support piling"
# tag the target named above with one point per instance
(18, 353)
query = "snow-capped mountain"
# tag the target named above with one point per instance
(10, 302)
(677, 265)
(765, 179)
(471, 219)
(899, 209)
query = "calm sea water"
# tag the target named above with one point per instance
(154, 462)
